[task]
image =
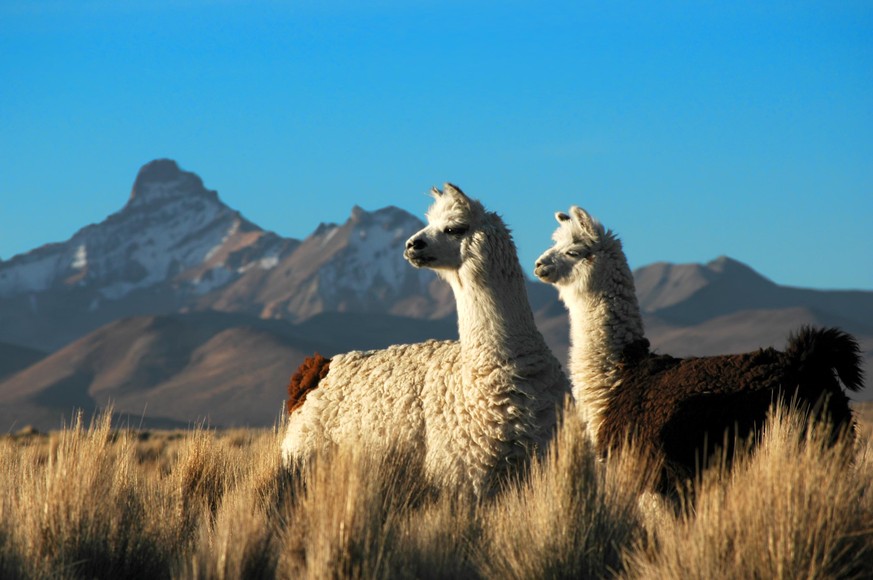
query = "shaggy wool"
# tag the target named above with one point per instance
(476, 409)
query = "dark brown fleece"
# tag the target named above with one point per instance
(681, 409)
(306, 379)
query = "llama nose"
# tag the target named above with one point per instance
(541, 269)
(416, 244)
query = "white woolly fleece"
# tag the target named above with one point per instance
(373, 397)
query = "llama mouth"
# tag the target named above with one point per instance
(418, 260)
(544, 274)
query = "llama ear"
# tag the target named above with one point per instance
(584, 220)
(435, 192)
(561, 217)
(454, 191)
(458, 197)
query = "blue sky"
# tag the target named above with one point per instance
(693, 129)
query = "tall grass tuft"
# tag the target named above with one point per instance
(572, 517)
(241, 539)
(350, 514)
(795, 508)
(82, 511)
(12, 563)
(201, 475)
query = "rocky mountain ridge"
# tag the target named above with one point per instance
(693, 293)
(175, 247)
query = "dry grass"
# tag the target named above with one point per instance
(795, 509)
(91, 502)
(82, 509)
(571, 517)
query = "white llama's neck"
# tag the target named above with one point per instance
(494, 315)
(496, 320)
(603, 321)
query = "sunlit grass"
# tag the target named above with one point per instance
(94, 502)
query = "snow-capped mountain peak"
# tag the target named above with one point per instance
(171, 231)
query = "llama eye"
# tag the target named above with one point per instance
(456, 230)
(573, 253)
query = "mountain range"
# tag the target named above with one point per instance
(178, 310)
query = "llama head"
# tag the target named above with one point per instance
(583, 250)
(459, 234)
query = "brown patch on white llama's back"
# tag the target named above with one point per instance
(306, 379)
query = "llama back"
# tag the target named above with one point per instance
(687, 401)
(350, 405)
(662, 398)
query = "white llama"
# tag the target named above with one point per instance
(476, 409)
(674, 406)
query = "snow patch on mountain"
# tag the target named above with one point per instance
(234, 228)
(80, 259)
(162, 250)
(33, 272)
(212, 279)
(373, 258)
(265, 263)
(329, 236)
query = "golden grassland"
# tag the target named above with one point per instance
(93, 502)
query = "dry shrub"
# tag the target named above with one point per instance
(200, 476)
(11, 559)
(349, 514)
(241, 541)
(88, 502)
(208, 464)
(795, 508)
(83, 511)
(436, 539)
(572, 517)
(157, 451)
